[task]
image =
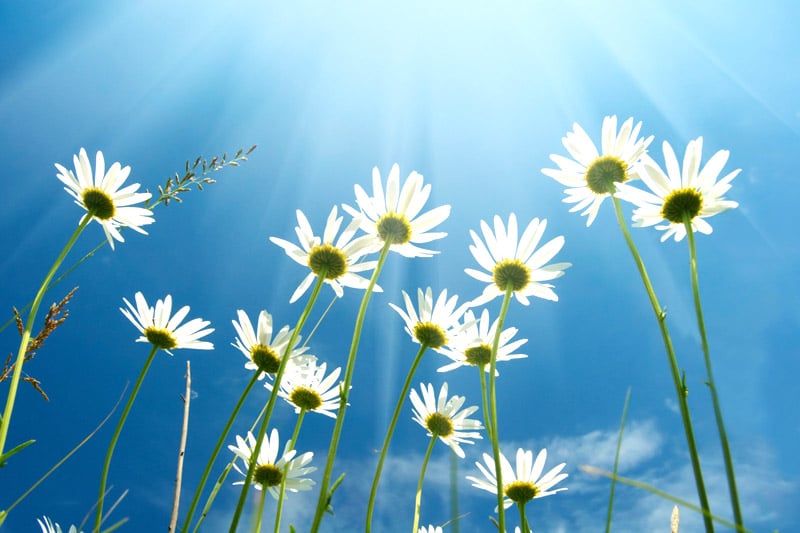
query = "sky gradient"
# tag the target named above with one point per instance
(475, 99)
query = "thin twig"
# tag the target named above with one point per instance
(173, 522)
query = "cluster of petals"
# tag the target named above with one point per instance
(160, 317)
(310, 375)
(626, 145)
(248, 338)
(126, 214)
(504, 243)
(407, 202)
(269, 454)
(464, 428)
(477, 333)
(353, 249)
(705, 181)
(48, 526)
(527, 471)
(444, 313)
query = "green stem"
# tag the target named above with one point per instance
(418, 499)
(220, 442)
(485, 399)
(5, 423)
(454, 491)
(322, 500)
(282, 492)
(388, 439)
(104, 477)
(523, 520)
(494, 435)
(723, 436)
(616, 460)
(272, 397)
(680, 389)
(260, 510)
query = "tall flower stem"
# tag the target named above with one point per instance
(680, 389)
(494, 435)
(523, 520)
(485, 399)
(262, 500)
(418, 499)
(220, 442)
(98, 518)
(388, 439)
(262, 430)
(454, 491)
(322, 501)
(723, 436)
(282, 492)
(26, 333)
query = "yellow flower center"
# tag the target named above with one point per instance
(480, 355)
(328, 261)
(439, 425)
(305, 398)
(682, 202)
(268, 475)
(511, 272)
(160, 338)
(430, 334)
(265, 358)
(98, 203)
(394, 228)
(521, 491)
(604, 172)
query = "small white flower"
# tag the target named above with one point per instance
(394, 217)
(590, 176)
(48, 526)
(444, 418)
(430, 529)
(307, 387)
(261, 350)
(515, 262)
(164, 331)
(435, 322)
(523, 484)
(693, 191)
(339, 260)
(102, 197)
(269, 472)
(473, 346)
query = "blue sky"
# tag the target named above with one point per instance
(475, 99)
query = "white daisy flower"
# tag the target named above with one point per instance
(591, 176)
(269, 471)
(435, 322)
(102, 197)
(48, 526)
(444, 418)
(473, 346)
(430, 529)
(339, 259)
(307, 387)
(523, 484)
(394, 216)
(508, 260)
(692, 191)
(263, 352)
(164, 331)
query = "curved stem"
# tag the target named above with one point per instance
(5, 422)
(723, 436)
(494, 435)
(485, 399)
(260, 511)
(214, 454)
(272, 397)
(282, 492)
(418, 499)
(98, 519)
(616, 460)
(680, 388)
(322, 500)
(454, 491)
(388, 439)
